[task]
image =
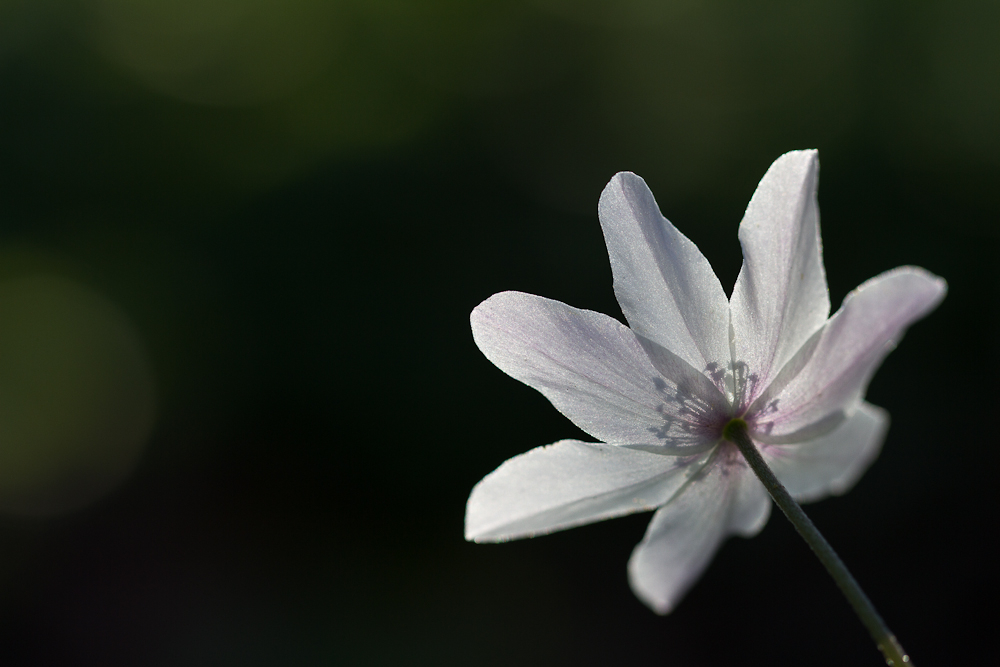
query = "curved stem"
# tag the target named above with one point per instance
(737, 433)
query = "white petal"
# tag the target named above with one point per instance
(667, 289)
(751, 505)
(832, 463)
(683, 536)
(830, 374)
(595, 372)
(567, 484)
(780, 298)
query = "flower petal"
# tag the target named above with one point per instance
(821, 383)
(683, 536)
(780, 298)
(830, 464)
(666, 288)
(596, 372)
(567, 484)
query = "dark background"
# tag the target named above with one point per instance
(298, 203)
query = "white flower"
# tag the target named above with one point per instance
(660, 391)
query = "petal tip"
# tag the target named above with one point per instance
(804, 155)
(489, 307)
(476, 520)
(801, 161)
(620, 185)
(477, 538)
(480, 534)
(659, 604)
(933, 287)
(799, 167)
(625, 177)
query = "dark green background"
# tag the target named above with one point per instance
(298, 204)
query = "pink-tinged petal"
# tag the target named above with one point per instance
(751, 504)
(667, 289)
(596, 372)
(780, 298)
(830, 374)
(723, 499)
(830, 464)
(568, 484)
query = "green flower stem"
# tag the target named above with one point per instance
(737, 433)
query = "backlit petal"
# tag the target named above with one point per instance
(780, 298)
(725, 498)
(826, 379)
(830, 464)
(567, 484)
(667, 289)
(596, 372)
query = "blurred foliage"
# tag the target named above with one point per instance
(237, 95)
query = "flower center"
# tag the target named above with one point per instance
(732, 427)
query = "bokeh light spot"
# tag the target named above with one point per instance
(76, 396)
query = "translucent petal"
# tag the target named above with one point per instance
(830, 464)
(567, 484)
(667, 289)
(596, 372)
(725, 498)
(830, 374)
(780, 298)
